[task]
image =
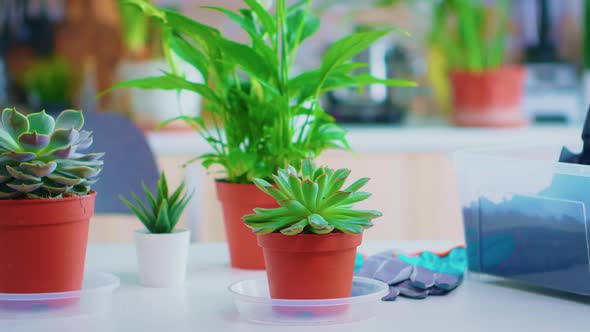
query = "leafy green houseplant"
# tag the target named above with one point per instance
(264, 116)
(161, 250)
(310, 241)
(46, 200)
(472, 36)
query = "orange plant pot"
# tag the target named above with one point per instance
(309, 266)
(238, 200)
(43, 244)
(488, 99)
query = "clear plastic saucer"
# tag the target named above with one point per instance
(253, 302)
(94, 298)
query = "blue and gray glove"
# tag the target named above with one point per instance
(416, 276)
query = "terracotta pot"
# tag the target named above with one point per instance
(238, 200)
(43, 244)
(488, 99)
(309, 266)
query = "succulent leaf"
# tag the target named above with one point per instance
(24, 186)
(20, 156)
(70, 119)
(60, 179)
(82, 171)
(41, 122)
(64, 137)
(163, 210)
(33, 140)
(313, 203)
(38, 168)
(14, 123)
(63, 153)
(17, 174)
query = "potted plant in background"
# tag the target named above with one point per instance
(161, 250)
(310, 241)
(263, 116)
(46, 201)
(473, 37)
(49, 84)
(142, 41)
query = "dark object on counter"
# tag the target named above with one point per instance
(376, 103)
(582, 158)
(4, 83)
(551, 85)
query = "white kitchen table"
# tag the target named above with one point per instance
(205, 304)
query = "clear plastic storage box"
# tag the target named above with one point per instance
(525, 216)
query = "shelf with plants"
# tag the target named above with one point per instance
(472, 38)
(263, 116)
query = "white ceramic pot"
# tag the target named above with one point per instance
(149, 108)
(162, 258)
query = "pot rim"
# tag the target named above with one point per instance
(175, 233)
(309, 242)
(30, 201)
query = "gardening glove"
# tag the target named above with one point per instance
(416, 276)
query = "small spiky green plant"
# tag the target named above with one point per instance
(164, 210)
(40, 157)
(312, 203)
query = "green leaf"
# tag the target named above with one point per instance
(150, 214)
(310, 193)
(247, 59)
(70, 119)
(318, 222)
(41, 123)
(144, 220)
(167, 82)
(163, 187)
(307, 169)
(14, 122)
(163, 222)
(266, 19)
(150, 197)
(295, 228)
(300, 26)
(358, 184)
(190, 54)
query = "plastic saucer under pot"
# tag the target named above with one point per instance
(252, 299)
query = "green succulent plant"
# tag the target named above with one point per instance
(164, 208)
(312, 203)
(40, 157)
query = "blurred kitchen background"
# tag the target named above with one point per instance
(58, 54)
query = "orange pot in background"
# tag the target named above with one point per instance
(43, 244)
(238, 200)
(488, 99)
(309, 266)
